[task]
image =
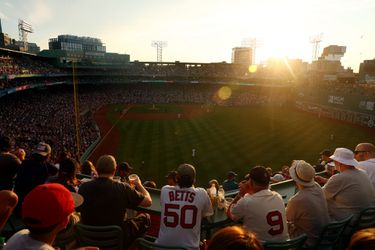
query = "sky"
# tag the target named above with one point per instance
(202, 30)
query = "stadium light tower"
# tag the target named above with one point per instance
(159, 45)
(23, 29)
(315, 40)
(253, 43)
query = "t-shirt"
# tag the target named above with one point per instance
(262, 213)
(348, 193)
(106, 201)
(22, 241)
(181, 215)
(307, 213)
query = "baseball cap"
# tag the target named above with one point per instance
(326, 152)
(42, 149)
(48, 205)
(171, 175)
(125, 166)
(344, 156)
(186, 169)
(302, 173)
(231, 173)
(260, 175)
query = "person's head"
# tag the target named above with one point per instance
(325, 154)
(20, 153)
(46, 209)
(363, 239)
(124, 169)
(68, 169)
(9, 161)
(5, 144)
(270, 171)
(285, 171)
(231, 175)
(214, 182)
(88, 168)
(244, 184)
(364, 151)
(106, 165)
(302, 173)
(171, 178)
(149, 184)
(259, 178)
(343, 159)
(185, 175)
(234, 238)
(42, 150)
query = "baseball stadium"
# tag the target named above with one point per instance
(220, 118)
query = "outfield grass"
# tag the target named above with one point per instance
(228, 138)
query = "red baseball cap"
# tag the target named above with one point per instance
(48, 205)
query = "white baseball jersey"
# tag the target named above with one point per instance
(182, 210)
(262, 213)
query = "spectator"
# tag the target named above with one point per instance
(183, 207)
(215, 183)
(124, 170)
(171, 178)
(87, 168)
(8, 201)
(9, 165)
(106, 201)
(5, 144)
(285, 172)
(67, 175)
(45, 212)
(20, 153)
(261, 210)
(363, 240)
(364, 153)
(307, 211)
(230, 183)
(34, 172)
(349, 191)
(234, 238)
(324, 162)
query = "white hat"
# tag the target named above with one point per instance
(302, 173)
(344, 156)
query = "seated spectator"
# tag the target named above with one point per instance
(285, 172)
(106, 201)
(20, 153)
(67, 175)
(124, 170)
(230, 183)
(261, 210)
(45, 212)
(171, 178)
(363, 240)
(351, 190)
(307, 211)
(8, 201)
(9, 166)
(87, 168)
(234, 237)
(183, 208)
(34, 172)
(364, 153)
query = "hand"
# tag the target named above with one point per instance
(321, 180)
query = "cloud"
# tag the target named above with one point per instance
(40, 13)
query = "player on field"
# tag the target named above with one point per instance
(183, 207)
(261, 210)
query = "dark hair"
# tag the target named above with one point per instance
(150, 184)
(185, 181)
(67, 172)
(87, 168)
(234, 238)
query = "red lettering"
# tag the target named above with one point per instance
(275, 220)
(171, 196)
(191, 197)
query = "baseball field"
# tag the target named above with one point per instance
(215, 139)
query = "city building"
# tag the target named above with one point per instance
(87, 50)
(367, 71)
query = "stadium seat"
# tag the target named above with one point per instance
(365, 219)
(295, 243)
(104, 237)
(331, 234)
(143, 244)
